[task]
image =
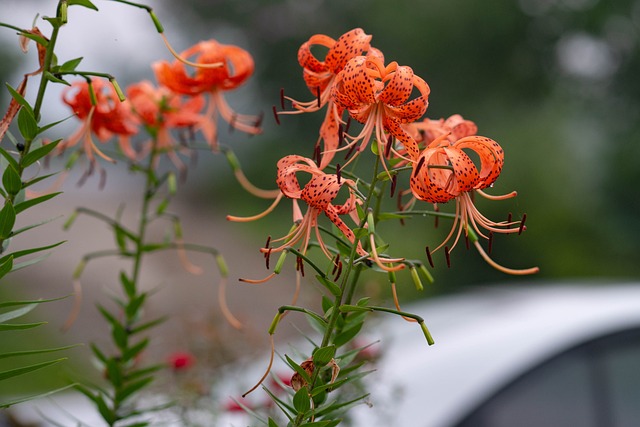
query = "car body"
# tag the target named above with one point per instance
(515, 355)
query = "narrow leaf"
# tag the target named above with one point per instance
(14, 314)
(70, 65)
(32, 352)
(132, 388)
(18, 254)
(6, 267)
(83, 3)
(35, 201)
(19, 326)
(27, 124)
(35, 155)
(323, 355)
(11, 181)
(4, 405)
(16, 95)
(331, 286)
(301, 401)
(7, 220)
(26, 369)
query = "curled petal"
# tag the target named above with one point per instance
(491, 157)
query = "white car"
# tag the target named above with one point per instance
(516, 356)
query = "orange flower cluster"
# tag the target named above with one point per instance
(354, 82)
(181, 101)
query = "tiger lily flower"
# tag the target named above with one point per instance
(107, 118)
(237, 67)
(443, 172)
(320, 75)
(160, 111)
(379, 96)
(319, 194)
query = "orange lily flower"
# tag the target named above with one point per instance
(379, 96)
(455, 126)
(108, 117)
(443, 171)
(320, 75)
(319, 194)
(237, 67)
(160, 111)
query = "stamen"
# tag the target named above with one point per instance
(436, 208)
(387, 149)
(300, 265)
(337, 276)
(400, 206)
(428, 251)
(282, 98)
(267, 257)
(232, 122)
(275, 114)
(416, 170)
(524, 218)
(466, 240)
(346, 126)
(350, 152)
(224, 308)
(186, 61)
(258, 121)
(317, 155)
(394, 181)
(257, 281)
(509, 217)
(335, 264)
(340, 135)
(318, 96)
(447, 256)
(338, 172)
(266, 245)
(498, 267)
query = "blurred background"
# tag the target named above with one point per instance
(555, 82)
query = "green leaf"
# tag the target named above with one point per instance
(148, 325)
(301, 401)
(6, 267)
(7, 220)
(32, 352)
(35, 155)
(346, 308)
(113, 373)
(347, 335)
(25, 302)
(330, 285)
(298, 369)
(13, 162)
(4, 405)
(133, 388)
(36, 38)
(11, 181)
(31, 226)
(26, 369)
(18, 254)
(99, 354)
(14, 314)
(272, 423)
(132, 352)
(20, 207)
(322, 356)
(14, 93)
(55, 79)
(27, 124)
(83, 3)
(128, 285)
(70, 65)
(19, 326)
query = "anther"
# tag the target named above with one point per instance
(267, 257)
(275, 114)
(447, 256)
(466, 240)
(340, 135)
(524, 218)
(318, 96)
(338, 172)
(394, 182)
(436, 208)
(353, 147)
(282, 98)
(428, 251)
(346, 126)
(335, 264)
(258, 121)
(387, 150)
(266, 245)
(416, 170)
(509, 217)
(337, 276)
(316, 155)
(232, 122)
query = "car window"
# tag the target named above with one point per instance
(596, 384)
